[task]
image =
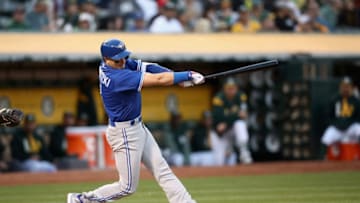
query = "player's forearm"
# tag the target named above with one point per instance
(166, 78)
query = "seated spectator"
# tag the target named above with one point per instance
(264, 17)
(29, 148)
(201, 152)
(38, 19)
(285, 19)
(349, 16)
(88, 6)
(115, 23)
(310, 22)
(86, 22)
(244, 24)
(344, 116)
(227, 17)
(167, 22)
(138, 24)
(207, 22)
(268, 25)
(191, 10)
(293, 5)
(70, 20)
(126, 9)
(148, 7)
(18, 21)
(329, 13)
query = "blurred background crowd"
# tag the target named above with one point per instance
(180, 16)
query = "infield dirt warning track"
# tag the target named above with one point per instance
(77, 176)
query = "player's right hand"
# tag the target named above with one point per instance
(197, 78)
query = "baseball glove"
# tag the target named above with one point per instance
(10, 117)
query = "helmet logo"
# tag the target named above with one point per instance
(121, 46)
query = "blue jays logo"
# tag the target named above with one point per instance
(121, 46)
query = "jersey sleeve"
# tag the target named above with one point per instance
(127, 80)
(133, 64)
(155, 68)
(138, 65)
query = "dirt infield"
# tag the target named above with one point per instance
(76, 176)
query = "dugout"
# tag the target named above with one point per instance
(40, 73)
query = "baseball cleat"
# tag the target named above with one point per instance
(75, 198)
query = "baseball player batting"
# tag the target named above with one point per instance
(121, 80)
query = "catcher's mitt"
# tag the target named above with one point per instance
(10, 117)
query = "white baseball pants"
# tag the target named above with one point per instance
(222, 145)
(132, 144)
(333, 135)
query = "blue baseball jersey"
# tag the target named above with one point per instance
(120, 88)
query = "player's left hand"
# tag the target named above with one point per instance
(186, 84)
(11, 117)
(197, 78)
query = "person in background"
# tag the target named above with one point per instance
(18, 21)
(344, 116)
(138, 24)
(285, 19)
(310, 22)
(230, 114)
(58, 142)
(226, 16)
(201, 149)
(245, 24)
(329, 13)
(167, 22)
(190, 11)
(178, 139)
(349, 16)
(125, 9)
(263, 16)
(208, 21)
(38, 19)
(69, 22)
(86, 23)
(29, 148)
(85, 102)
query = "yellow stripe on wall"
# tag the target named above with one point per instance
(31, 100)
(191, 102)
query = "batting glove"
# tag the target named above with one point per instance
(197, 78)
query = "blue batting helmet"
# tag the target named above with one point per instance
(114, 49)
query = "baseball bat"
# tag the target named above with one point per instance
(252, 67)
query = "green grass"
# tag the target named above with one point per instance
(341, 187)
